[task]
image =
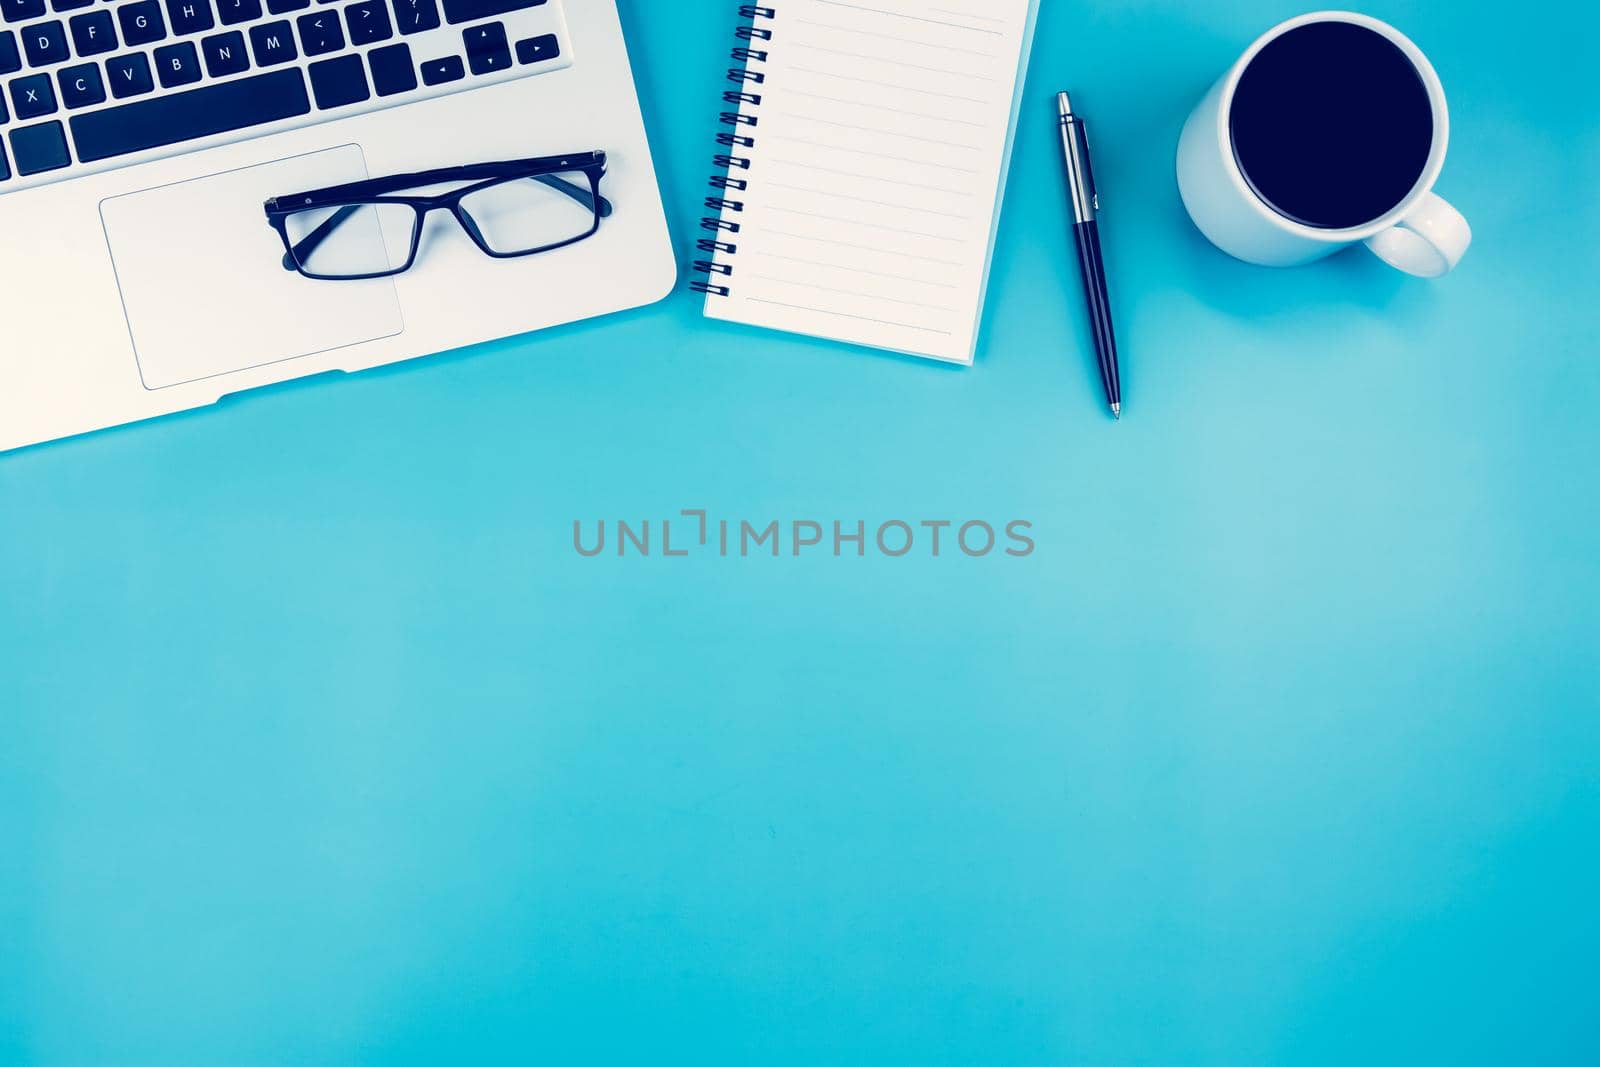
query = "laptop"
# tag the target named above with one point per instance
(141, 139)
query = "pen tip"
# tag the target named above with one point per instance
(1064, 104)
(1116, 412)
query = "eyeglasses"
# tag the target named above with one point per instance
(371, 229)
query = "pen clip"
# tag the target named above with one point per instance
(1080, 172)
(1091, 192)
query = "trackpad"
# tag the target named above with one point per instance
(203, 282)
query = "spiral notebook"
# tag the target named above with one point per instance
(858, 183)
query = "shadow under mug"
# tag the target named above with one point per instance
(1422, 235)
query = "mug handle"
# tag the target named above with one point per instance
(1428, 242)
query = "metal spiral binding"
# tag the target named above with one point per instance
(746, 80)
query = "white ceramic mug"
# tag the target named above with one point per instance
(1423, 235)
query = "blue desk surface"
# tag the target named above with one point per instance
(319, 744)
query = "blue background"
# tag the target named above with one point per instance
(319, 744)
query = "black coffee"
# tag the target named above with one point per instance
(1332, 125)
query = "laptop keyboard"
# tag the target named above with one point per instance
(87, 85)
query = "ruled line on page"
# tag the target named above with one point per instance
(896, 62)
(969, 15)
(866, 248)
(889, 85)
(903, 15)
(893, 37)
(847, 292)
(863, 222)
(884, 155)
(869, 177)
(880, 130)
(891, 110)
(859, 270)
(843, 315)
(864, 200)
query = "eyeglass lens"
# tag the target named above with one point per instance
(352, 239)
(527, 214)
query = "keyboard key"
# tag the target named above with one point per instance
(472, 10)
(415, 16)
(340, 81)
(10, 58)
(45, 44)
(539, 49)
(177, 64)
(368, 21)
(18, 10)
(92, 33)
(81, 85)
(69, 5)
(233, 12)
(40, 148)
(129, 75)
(32, 96)
(487, 50)
(392, 69)
(5, 168)
(273, 43)
(5, 116)
(190, 16)
(438, 71)
(141, 22)
(164, 120)
(320, 33)
(225, 54)
(283, 7)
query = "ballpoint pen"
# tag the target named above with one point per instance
(1085, 209)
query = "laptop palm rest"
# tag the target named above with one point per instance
(203, 282)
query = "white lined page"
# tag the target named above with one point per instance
(882, 139)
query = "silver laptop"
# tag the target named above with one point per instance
(143, 142)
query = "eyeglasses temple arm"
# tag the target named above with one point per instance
(576, 192)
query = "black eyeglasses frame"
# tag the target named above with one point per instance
(355, 195)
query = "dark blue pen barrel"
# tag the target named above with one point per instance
(1087, 235)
